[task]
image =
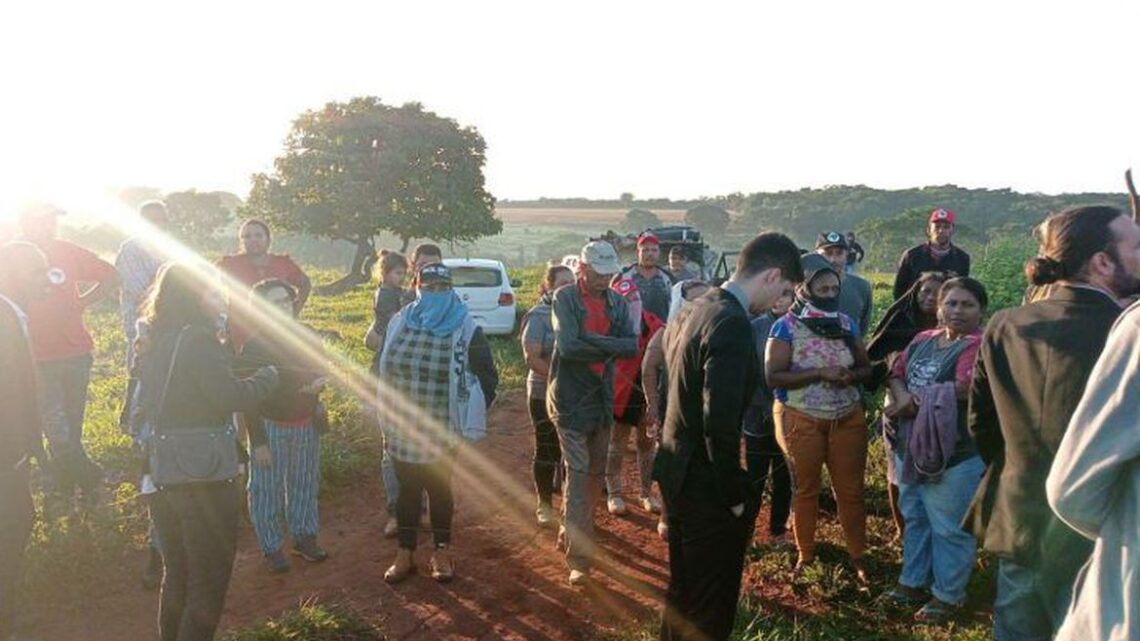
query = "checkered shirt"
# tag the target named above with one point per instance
(416, 367)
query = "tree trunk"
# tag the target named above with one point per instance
(404, 245)
(360, 272)
(1133, 197)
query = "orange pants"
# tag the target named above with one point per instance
(841, 444)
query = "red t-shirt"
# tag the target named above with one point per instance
(55, 321)
(597, 321)
(240, 267)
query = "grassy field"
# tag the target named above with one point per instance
(70, 552)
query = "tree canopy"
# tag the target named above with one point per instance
(352, 170)
(196, 216)
(637, 220)
(710, 219)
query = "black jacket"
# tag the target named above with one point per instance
(713, 373)
(1031, 373)
(20, 429)
(919, 259)
(203, 391)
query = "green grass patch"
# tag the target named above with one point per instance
(311, 621)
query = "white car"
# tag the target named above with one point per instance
(487, 290)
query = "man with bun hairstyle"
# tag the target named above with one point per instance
(938, 254)
(1033, 366)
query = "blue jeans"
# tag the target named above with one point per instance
(1027, 606)
(63, 392)
(937, 553)
(286, 489)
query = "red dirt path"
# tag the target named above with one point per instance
(511, 583)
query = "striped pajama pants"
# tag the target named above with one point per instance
(286, 490)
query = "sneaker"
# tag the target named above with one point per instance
(545, 515)
(401, 568)
(579, 577)
(650, 504)
(616, 506)
(152, 574)
(391, 528)
(277, 562)
(308, 549)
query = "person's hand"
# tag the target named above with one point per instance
(262, 457)
(270, 373)
(905, 406)
(315, 386)
(833, 374)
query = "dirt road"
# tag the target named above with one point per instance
(511, 583)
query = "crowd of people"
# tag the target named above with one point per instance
(1014, 432)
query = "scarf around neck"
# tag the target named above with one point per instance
(440, 313)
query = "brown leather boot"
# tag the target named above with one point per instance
(442, 569)
(401, 568)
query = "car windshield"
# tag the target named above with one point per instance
(475, 277)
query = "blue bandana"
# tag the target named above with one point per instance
(440, 313)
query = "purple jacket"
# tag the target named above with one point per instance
(931, 435)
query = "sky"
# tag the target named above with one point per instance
(581, 99)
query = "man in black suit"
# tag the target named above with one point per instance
(710, 505)
(23, 276)
(1034, 364)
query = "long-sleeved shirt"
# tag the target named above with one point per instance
(857, 301)
(1094, 487)
(203, 390)
(138, 263)
(578, 397)
(922, 258)
(713, 371)
(759, 414)
(652, 374)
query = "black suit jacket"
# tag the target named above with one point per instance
(1031, 373)
(713, 372)
(20, 429)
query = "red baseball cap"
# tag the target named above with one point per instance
(648, 239)
(941, 215)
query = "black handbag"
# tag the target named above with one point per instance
(195, 454)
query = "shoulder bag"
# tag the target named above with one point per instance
(193, 454)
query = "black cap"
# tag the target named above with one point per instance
(434, 273)
(831, 239)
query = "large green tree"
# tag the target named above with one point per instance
(354, 169)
